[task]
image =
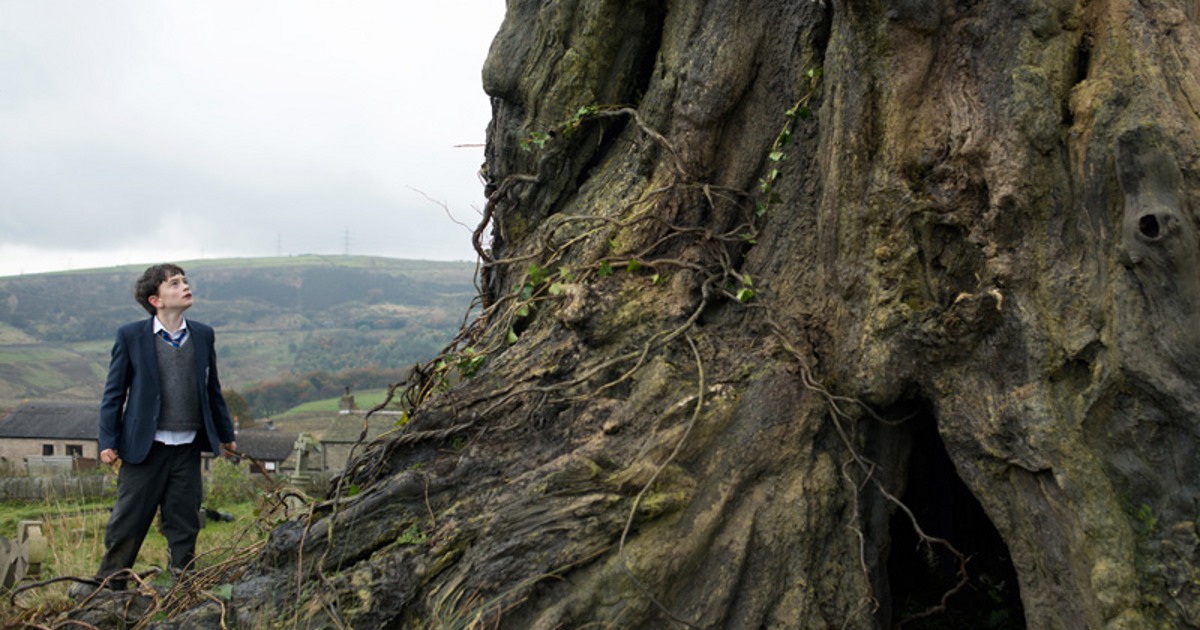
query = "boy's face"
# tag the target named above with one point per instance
(174, 294)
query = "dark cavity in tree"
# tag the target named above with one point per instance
(919, 575)
(1148, 226)
(1083, 58)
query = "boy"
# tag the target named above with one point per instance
(162, 404)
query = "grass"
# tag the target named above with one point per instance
(74, 531)
(364, 400)
(13, 512)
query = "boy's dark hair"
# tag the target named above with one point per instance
(152, 277)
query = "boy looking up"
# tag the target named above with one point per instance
(162, 405)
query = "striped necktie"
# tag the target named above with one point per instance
(175, 340)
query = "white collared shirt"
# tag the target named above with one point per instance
(158, 327)
(173, 438)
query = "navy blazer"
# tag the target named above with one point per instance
(133, 392)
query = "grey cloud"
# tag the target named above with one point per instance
(122, 119)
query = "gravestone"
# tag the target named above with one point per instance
(24, 556)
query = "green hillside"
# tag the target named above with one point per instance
(276, 318)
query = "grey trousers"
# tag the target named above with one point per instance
(168, 480)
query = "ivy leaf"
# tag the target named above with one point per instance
(556, 288)
(745, 295)
(633, 266)
(512, 336)
(775, 156)
(605, 269)
(536, 274)
(224, 591)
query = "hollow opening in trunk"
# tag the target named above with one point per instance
(920, 575)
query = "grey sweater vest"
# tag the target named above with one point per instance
(180, 398)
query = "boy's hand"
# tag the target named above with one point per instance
(108, 455)
(230, 448)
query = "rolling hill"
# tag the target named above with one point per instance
(276, 318)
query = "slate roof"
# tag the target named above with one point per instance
(53, 420)
(266, 446)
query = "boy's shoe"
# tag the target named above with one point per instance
(80, 591)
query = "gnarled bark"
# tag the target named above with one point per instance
(732, 346)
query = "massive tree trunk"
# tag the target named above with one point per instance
(804, 314)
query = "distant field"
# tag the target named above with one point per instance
(30, 370)
(364, 400)
(276, 319)
(10, 335)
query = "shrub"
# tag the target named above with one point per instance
(229, 484)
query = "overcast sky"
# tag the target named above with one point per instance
(138, 131)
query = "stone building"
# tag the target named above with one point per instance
(50, 433)
(344, 431)
(267, 450)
